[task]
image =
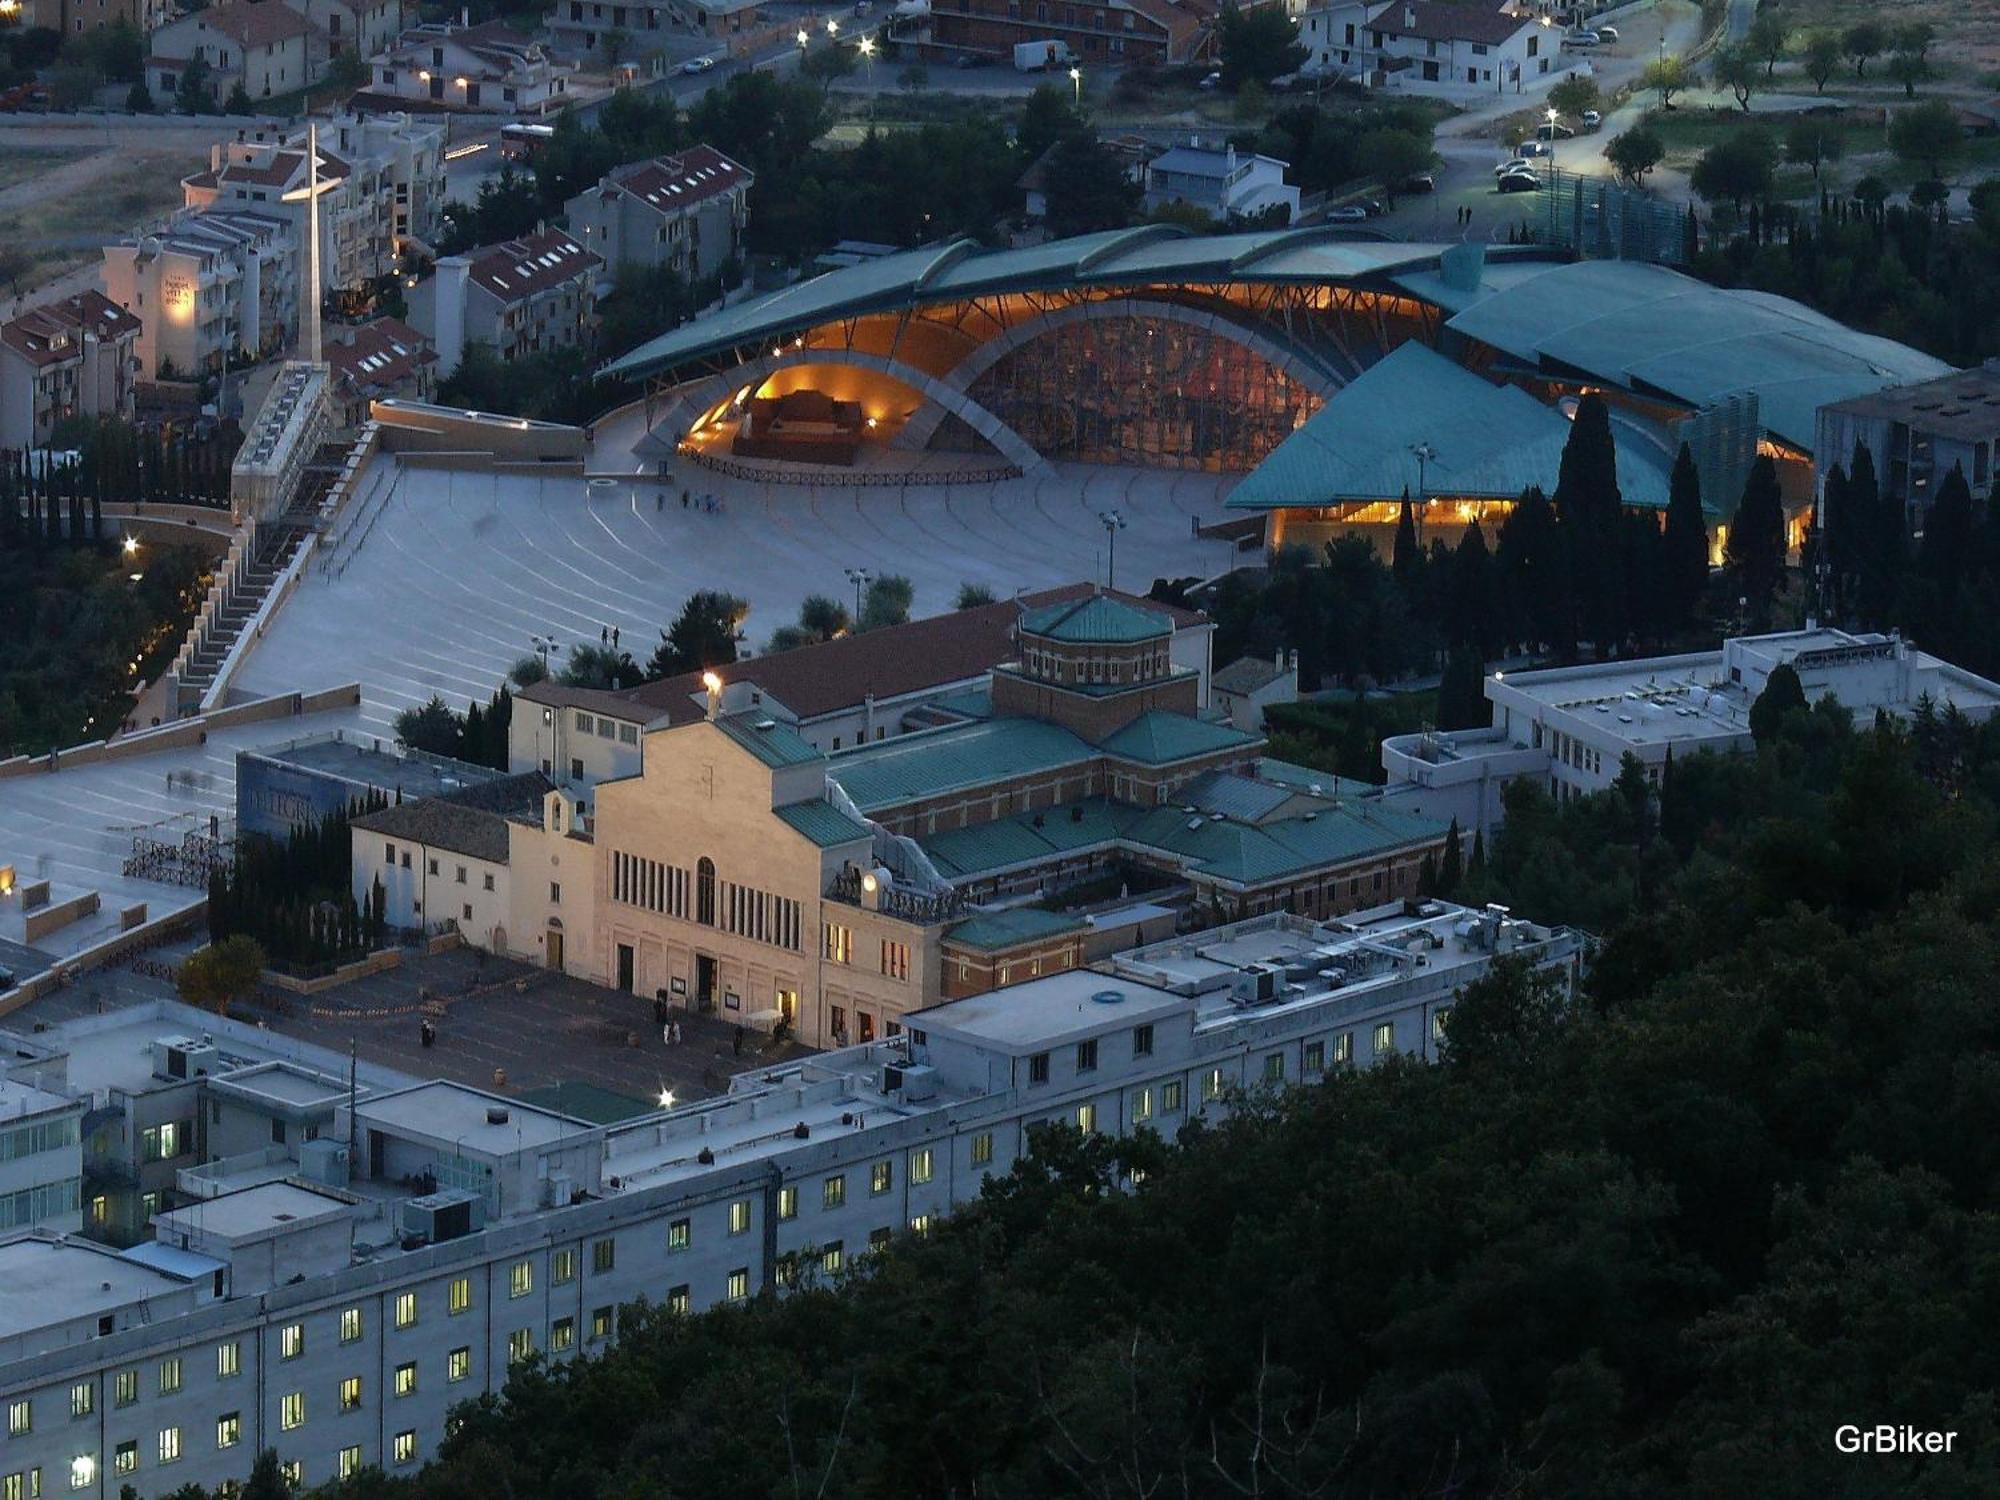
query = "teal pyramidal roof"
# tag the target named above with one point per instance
(1096, 619)
(771, 742)
(1486, 441)
(823, 823)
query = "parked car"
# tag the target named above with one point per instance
(1522, 181)
(697, 65)
(1555, 132)
(1532, 148)
(1581, 39)
(965, 62)
(1607, 33)
(1423, 182)
(1347, 213)
(1513, 164)
(1592, 119)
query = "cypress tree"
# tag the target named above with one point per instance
(1948, 534)
(1757, 539)
(1451, 869)
(1686, 561)
(1588, 505)
(1880, 542)
(1407, 560)
(1462, 692)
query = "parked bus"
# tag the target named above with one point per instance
(524, 142)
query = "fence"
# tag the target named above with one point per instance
(729, 468)
(1602, 219)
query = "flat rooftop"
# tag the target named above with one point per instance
(452, 1114)
(372, 762)
(273, 1207)
(45, 1281)
(1046, 1012)
(290, 1085)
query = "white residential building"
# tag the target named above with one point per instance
(1219, 181)
(487, 67)
(41, 1159)
(362, 27)
(527, 296)
(1250, 684)
(686, 212)
(206, 288)
(1571, 727)
(334, 1305)
(266, 48)
(442, 861)
(1430, 46)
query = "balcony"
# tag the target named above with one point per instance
(904, 906)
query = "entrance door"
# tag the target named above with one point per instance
(625, 967)
(555, 956)
(704, 982)
(437, 85)
(472, 95)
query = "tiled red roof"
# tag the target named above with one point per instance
(1433, 21)
(520, 268)
(671, 183)
(256, 25)
(380, 354)
(49, 335)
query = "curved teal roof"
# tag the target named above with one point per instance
(961, 269)
(1096, 619)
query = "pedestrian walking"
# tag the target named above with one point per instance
(427, 1033)
(667, 1035)
(659, 500)
(614, 637)
(738, 1041)
(604, 635)
(677, 1033)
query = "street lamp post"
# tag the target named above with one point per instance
(1113, 524)
(1423, 453)
(1076, 86)
(866, 47)
(860, 578)
(803, 39)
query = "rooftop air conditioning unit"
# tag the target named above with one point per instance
(183, 1057)
(449, 1215)
(919, 1083)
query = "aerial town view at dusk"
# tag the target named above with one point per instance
(999, 749)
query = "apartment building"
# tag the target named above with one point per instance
(684, 212)
(266, 48)
(486, 67)
(74, 358)
(1124, 33)
(74, 17)
(333, 1302)
(528, 296)
(1429, 46)
(376, 361)
(1916, 435)
(1220, 182)
(362, 27)
(579, 25)
(207, 288)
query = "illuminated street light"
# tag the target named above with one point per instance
(131, 546)
(1076, 84)
(832, 27)
(803, 39)
(666, 1098)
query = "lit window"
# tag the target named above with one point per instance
(1274, 1067)
(833, 1192)
(982, 1149)
(881, 1177)
(461, 1296)
(831, 1259)
(125, 1388)
(601, 1322)
(170, 1375)
(350, 1461)
(1211, 1085)
(350, 1325)
(680, 1234)
(739, 1216)
(1170, 1096)
(679, 1301)
(294, 1471)
(83, 1471)
(291, 1341)
(920, 1165)
(562, 1334)
(405, 1447)
(739, 1284)
(520, 1344)
(350, 1393)
(921, 1225)
(1385, 1038)
(521, 1278)
(170, 1445)
(1439, 1020)
(125, 1459)
(1086, 1118)
(406, 1378)
(228, 1430)
(603, 1256)
(1142, 1106)
(228, 1360)
(562, 1268)
(292, 1410)
(1343, 1047)
(458, 1364)
(406, 1309)
(82, 1399)
(788, 1203)
(20, 1418)
(1315, 1057)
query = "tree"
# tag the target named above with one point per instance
(1861, 41)
(433, 728)
(195, 94)
(239, 102)
(74, 86)
(1814, 141)
(1756, 546)
(214, 977)
(528, 671)
(1462, 691)
(1739, 70)
(1915, 38)
(346, 69)
(599, 666)
(139, 99)
(1822, 58)
(1737, 168)
(1086, 188)
(887, 602)
(1574, 95)
(1926, 135)
(1589, 505)
(1046, 117)
(1782, 694)
(914, 79)
(823, 618)
(1909, 69)
(972, 595)
(1666, 77)
(1395, 156)
(1407, 560)
(703, 635)
(1767, 38)
(1258, 46)
(1635, 152)
(1686, 543)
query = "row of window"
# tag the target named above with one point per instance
(626, 734)
(33, 1140)
(38, 1204)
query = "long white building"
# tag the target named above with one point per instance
(332, 1291)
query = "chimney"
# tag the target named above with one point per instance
(1281, 659)
(1295, 661)
(1409, 18)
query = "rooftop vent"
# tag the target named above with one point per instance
(496, 1114)
(1109, 997)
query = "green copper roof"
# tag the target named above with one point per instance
(1483, 441)
(1007, 929)
(1096, 619)
(825, 824)
(959, 758)
(1311, 778)
(771, 742)
(1159, 738)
